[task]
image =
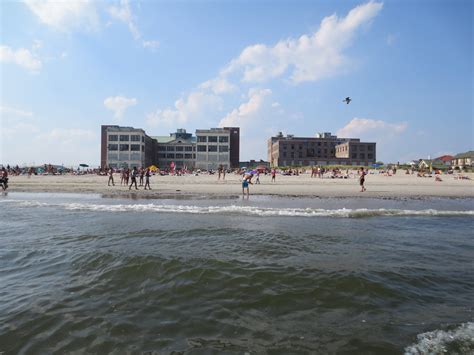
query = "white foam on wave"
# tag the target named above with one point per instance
(456, 341)
(248, 210)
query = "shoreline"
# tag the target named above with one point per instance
(207, 186)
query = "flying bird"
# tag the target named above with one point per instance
(347, 100)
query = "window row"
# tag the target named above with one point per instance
(127, 147)
(176, 156)
(213, 139)
(362, 156)
(212, 148)
(179, 148)
(126, 138)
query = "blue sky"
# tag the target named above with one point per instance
(266, 66)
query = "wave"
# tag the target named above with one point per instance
(248, 210)
(457, 341)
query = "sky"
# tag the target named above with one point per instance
(66, 68)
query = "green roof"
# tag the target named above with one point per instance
(469, 154)
(169, 139)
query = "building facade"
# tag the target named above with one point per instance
(324, 149)
(208, 150)
(122, 147)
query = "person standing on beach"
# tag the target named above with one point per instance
(245, 184)
(273, 174)
(111, 177)
(362, 179)
(147, 179)
(134, 178)
(142, 173)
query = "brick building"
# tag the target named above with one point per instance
(324, 149)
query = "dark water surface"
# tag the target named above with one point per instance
(268, 275)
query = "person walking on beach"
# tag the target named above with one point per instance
(111, 177)
(257, 181)
(273, 174)
(245, 184)
(362, 179)
(134, 178)
(147, 179)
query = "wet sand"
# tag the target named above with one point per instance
(378, 186)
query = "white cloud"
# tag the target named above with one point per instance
(22, 57)
(196, 106)
(153, 45)
(219, 86)
(373, 129)
(119, 104)
(4, 110)
(310, 57)
(65, 15)
(68, 135)
(248, 111)
(276, 104)
(124, 14)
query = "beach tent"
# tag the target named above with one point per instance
(153, 168)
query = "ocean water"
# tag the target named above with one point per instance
(88, 274)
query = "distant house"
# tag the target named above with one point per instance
(463, 159)
(433, 163)
(446, 159)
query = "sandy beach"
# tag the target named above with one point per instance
(378, 186)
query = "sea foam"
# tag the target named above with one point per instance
(457, 341)
(248, 210)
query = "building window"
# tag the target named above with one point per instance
(202, 139)
(284, 146)
(319, 144)
(124, 138)
(223, 148)
(354, 155)
(135, 138)
(284, 154)
(135, 147)
(161, 155)
(301, 147)
(113, 146)
(123, 147)
(143, 148)
(212, 148)
(170, 156)
(362, 156)
(223, 139)
(292, 146)
(300, 154)
(370, 156)
(212, 139)
(292, 154)
(179, 156)
(113, 138)
(201, 148)
(179, 148)
(143, 139)
(370, 148)
(188, 149)
(188, 156)
(170, 148)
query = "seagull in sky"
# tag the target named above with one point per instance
(347, 100)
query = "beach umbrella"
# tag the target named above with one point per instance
(153, 167)
(84, 165)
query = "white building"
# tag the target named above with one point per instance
(212, 148)
(125, 147)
